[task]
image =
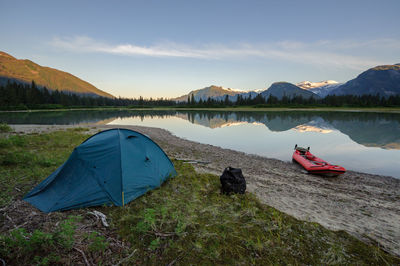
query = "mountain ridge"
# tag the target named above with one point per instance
(322, 88)
(26, 71)
(383, 80)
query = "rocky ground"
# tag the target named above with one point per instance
(365, 205)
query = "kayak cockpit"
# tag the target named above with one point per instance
(315, 165)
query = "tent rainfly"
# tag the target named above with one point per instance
(112, 167)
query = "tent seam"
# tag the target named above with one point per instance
(120, 165)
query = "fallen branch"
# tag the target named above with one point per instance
(176, 259)
(127, 258)
(9, 218)
(97, 217)
(18, 226)
(83, 255)
(193, 161)
(164, 234)
(102, 216)
(172, 262)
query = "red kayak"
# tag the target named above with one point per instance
(315, 165)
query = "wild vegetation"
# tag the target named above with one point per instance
(4, 128)
(17, 96)
(186, 221)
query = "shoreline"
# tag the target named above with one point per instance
(364, 205)
(394, 110)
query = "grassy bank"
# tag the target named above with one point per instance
(186, 221)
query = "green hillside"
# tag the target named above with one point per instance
(26, 71)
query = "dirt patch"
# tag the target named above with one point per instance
(367, 206)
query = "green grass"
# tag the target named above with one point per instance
(26, 160)
(186, 221)
(5, 128)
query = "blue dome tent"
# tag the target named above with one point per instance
(111, 167)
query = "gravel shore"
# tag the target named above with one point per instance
(365, 205)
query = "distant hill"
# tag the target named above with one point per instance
(215, 92)
(24, 71)
(280, 89)
(383, 80)
(277, 89)
(321, 88)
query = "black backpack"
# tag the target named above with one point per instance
(232, 180)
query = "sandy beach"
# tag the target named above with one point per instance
(367, 206)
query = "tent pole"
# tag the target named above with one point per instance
(123, 204)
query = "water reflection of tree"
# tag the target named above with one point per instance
(77, 116)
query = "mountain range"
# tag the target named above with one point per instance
(278, 89)
(24, 71)
(383, 80)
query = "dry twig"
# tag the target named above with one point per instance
(126, 259)
(164, 234)
(83, 255)
(102, 216)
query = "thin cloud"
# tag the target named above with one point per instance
(86, 44)
(324, 52)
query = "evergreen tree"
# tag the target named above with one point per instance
(192, 100)
(226, 100)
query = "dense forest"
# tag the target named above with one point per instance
(17, 96)
(23, 96)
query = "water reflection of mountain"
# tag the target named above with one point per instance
(369, 129)
(275, 121)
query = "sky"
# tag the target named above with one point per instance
(168, 48)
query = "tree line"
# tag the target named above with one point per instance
(15, 95)
(285, 101)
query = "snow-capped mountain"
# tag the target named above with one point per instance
(321, 88)
(217, 93)
(281, 89)
(310, 85)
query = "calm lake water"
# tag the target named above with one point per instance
(366, 142)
